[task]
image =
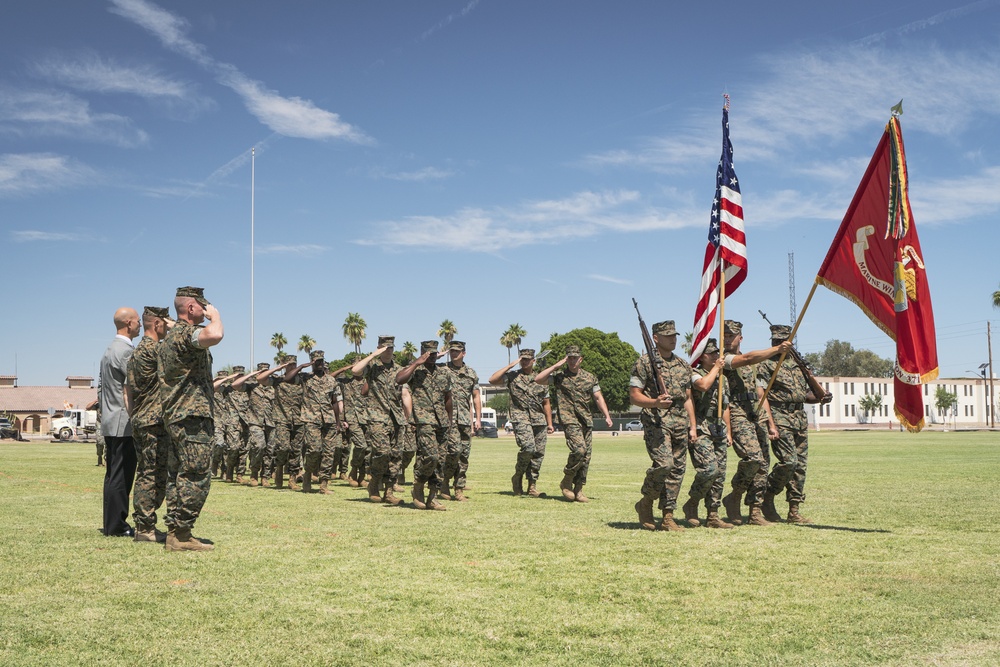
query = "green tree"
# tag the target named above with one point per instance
(944, 401)
(507, 342)
(688, 345)
(279, 341)
(840, 359)
(516, 333)
(869, 404)
(349, 358)
(355, 330)
(306, 343)
(605, 355)
(447, 331)
(500, 403)
(406, 354)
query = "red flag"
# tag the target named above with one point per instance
(726, 244)
(876, 262)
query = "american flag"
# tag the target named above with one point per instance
(726, 244)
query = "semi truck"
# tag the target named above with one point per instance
(74, 423)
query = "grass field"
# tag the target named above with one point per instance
(901, 568)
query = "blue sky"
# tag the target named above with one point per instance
(482, 161)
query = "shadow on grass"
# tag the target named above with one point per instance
(847, 529)
(625, 525)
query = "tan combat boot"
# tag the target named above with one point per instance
(342, 477)
(148, 536)
(460, 496)
(690, 509)
(533, 490)
(292, 484)
(390, 499)
(668, 523)
(432, 500)
(373, 491)
(578, 493)
(179, 539)
(757, 517)
(279, 477)
(644, 508)
(767, 507)
(794, 516)
(732, 504)
(715, 521)
(516, 484)
(229, 475)
(265, 481)
(324, 487)
(445, 492)
(566, 486)
(352, 478)
(307, 480)
(418, 494)
(253, 481)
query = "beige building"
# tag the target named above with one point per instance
(28, 407)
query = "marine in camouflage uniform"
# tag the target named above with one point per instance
(239, 403)
(223, 420)
(385, 418)
(531, 413)
(749, 428)
(261, 394)
(407, 442)
(319, 422)
(468, 415)
(229, 421)
(668, 424)
(151, 443)
(574, 389)
(356, 417)
(184, 370)
(708, 451)
(98, 435)
(789, 392)
(430, 389)
(287, 408)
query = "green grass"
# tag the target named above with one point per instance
(901, 568)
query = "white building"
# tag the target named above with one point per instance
(844, 411)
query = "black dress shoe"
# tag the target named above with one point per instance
(128, 532)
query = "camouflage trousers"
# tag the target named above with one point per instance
(456, 460)
(580, 441)
(341, 454)
(432, 443)
(286, 440)
(219, 449)
(259, 439)
(100, 443)
(150, 489)
(720, 448)
(531, 450)
(666, 445)
(189, 474)
(751, 471)
(237, 448)
(318, 443)
(407, 449)
(355, 434)
(791, 451)
(705, 459)
(384, 443)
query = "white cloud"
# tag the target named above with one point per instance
(954, 199)
(290, 116)
(443, 23)
(609, 279)
(303, 250)
(49, 113)
(420, 175)
(29, 173)
(582, 215)
(29, 235)
(91, 72)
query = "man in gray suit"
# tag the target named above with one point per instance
(115, 425)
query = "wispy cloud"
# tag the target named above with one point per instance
(954, 199)
(88, 71)
(446, 21)
(303, 250)
(28, 235)
(419, 175)
(609, 279)
(51, 113)
(930, 22)
(660, 154)
(583, 215)
(29, 173)
(290, 116)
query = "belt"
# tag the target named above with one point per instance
(784, 405)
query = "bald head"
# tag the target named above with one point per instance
(127, 322)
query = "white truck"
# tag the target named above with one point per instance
(74, 423)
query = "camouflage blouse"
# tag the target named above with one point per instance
(573, 394)
(676, 376)
(429, 388)
(527, 398)
(706, 403)
(287, 400)
(184, 369)
(355, 405)
(384, 404)
(464, 382)
(141, 377)
(317, 398)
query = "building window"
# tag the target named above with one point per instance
(852, 411)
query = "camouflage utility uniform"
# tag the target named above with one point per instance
(573, 394)
(745, 421)
(319, 422)
(287, 429)
(464, 383)
(788, 394)
(527, 412)
(236, 457)
(184, 369)
(385, 420)
(708, 452)
(430, 388)
(356, 417)
(151, 443)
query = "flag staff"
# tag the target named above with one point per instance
(791, 336)
(252, 175)
(722, 295)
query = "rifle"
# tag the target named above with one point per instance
(813, 383)
(647, 340)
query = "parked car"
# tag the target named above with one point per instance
(634, 425)
(488, 430)
(7, 429)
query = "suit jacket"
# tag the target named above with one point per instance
(115, 422)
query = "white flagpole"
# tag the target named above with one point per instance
(252, 175)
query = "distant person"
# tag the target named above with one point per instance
(468, 419)
(147, 424)
(531, 412)
(385, 419)
(574, 389)
(98, 436)
(116, 426)
(709, 450)
(185, 372)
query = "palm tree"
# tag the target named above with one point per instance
(355, 330)
(688, 343)
(281, 357)
(306, 343)
(507, 342)
(278, 341)
(447, 331)
(409, 351)
(517, 332)
(996, 299)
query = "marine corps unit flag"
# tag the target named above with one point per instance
(876, 262)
